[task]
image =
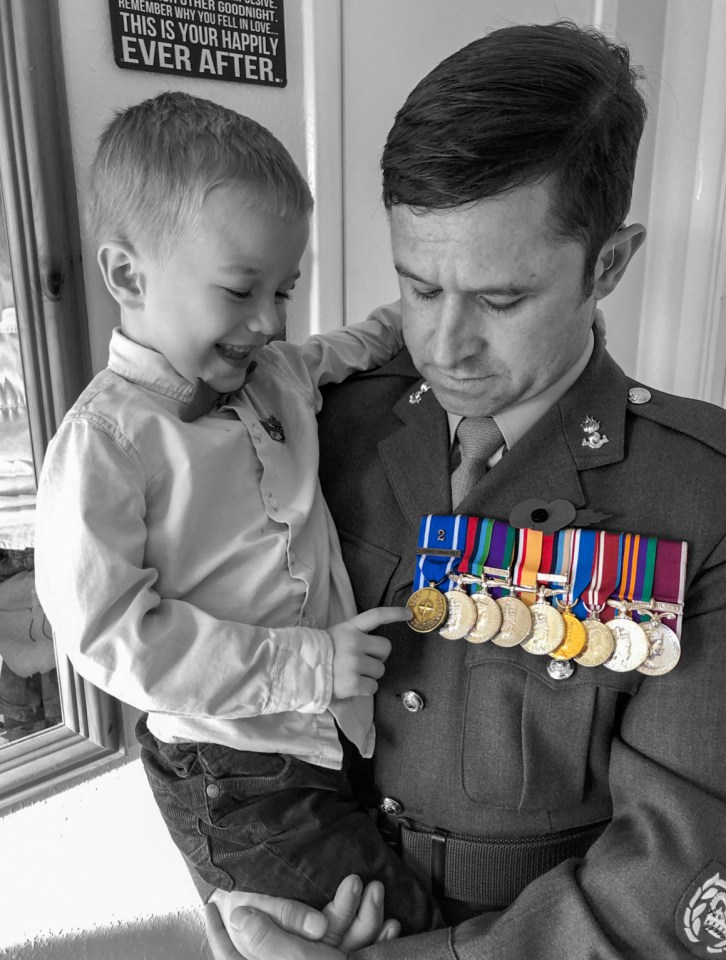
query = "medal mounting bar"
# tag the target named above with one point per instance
(627, 577)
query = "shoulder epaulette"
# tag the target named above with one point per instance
(703, 421)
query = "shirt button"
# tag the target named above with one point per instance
(213, 790)
(273, 503)
(389, 805)
(256, 433)
(413, 701)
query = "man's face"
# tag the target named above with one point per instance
(492, 307)
(222, 293)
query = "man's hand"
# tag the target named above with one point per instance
(358, 657)
(270, 928)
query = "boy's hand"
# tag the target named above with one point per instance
(359, 657)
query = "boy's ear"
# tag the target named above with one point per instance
(615, 256)
(123, 274)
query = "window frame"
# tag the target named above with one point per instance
(38, 188)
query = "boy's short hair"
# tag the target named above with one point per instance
(157, 161)
(517, 106)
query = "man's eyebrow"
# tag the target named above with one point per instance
(502, 290)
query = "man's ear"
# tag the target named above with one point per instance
(615, 256)
(123, 274)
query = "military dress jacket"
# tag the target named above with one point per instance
(480, 741)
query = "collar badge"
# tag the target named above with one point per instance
(593, 438)
(416, 397)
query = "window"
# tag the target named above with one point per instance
(53, 723)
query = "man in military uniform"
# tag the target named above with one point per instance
(556, 814)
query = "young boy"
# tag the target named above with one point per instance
(185, 555)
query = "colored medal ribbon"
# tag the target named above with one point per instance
(605, 573)
(441, 543)
(501, 552)
(637, 569)
(669, 581)
(644, 573)
(527, 564)
(477, 544)
(582, 553)
(561, 562)
(548, 557)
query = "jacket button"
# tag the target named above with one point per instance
(413, 701)
(560, 669)
(213, 790)
(389, 805)
(638, 395)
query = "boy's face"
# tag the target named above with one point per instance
(222, 293)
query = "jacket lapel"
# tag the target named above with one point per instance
(416, 457)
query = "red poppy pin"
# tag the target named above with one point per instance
(540, 515)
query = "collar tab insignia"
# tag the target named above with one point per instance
(416, 397)
(593, 438)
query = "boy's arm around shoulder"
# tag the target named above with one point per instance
(332, 357)
(104, 598)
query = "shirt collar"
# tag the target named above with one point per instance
(147, 367)
(515, 420)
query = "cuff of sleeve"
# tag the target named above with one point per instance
(302, 678)
(435, 945)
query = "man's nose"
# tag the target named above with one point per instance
(453, 338)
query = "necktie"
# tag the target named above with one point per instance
(479, 438)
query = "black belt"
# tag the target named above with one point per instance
(486, 870)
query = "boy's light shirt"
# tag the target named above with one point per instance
(190, 569)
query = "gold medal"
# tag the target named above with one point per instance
(631, 645)
(462, 615)
(665, 649)
(516, 622)
(575, 637)
(429, 609)
(488, 620)
(600, 644)
(548, 627)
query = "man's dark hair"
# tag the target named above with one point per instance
(520, 105)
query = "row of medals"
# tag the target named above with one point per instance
(620, 644)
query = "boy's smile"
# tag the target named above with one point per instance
(222, 293)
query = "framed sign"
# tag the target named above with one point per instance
(212, 39)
